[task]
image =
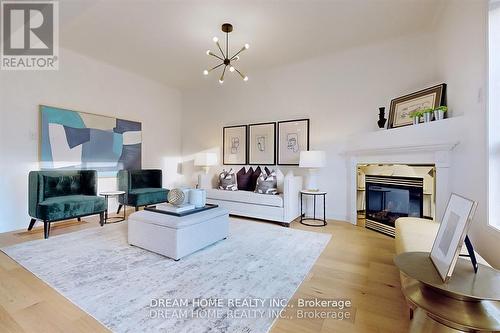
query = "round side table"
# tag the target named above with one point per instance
(468, 302)
(106, 196)
(303, 218)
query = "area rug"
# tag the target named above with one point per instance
(218, 289)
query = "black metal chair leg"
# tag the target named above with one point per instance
(101, 218)
(32, 223)
(79, 219)
(119, 208)
(136, 209)
(46, 229)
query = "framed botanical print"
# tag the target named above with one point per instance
(293, 136)
(234, 142)
(402, 107)
(262, 144)
(451, 234)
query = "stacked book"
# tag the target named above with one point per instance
(175, 209)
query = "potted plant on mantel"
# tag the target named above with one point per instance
(427, 113)
(416, 116)
(439, 113)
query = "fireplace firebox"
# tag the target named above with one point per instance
(390, 197)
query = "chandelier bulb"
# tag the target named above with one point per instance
(245, 78)
(205, 72)
(231, 69)
(208, 52)
(247, 46)
(221, 81)
(215, 39)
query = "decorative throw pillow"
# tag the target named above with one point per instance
(244, 179)
(280, 177)
(267, 184)
(227, 181)
(253, 182)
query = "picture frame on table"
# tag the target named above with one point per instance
(451, 234)
(402, 107)
(293, 137)
(234, 143)
(262, 144)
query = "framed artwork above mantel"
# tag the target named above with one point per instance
(402, 107)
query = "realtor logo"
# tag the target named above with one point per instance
(29, 35)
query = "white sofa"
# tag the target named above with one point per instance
(283, 207)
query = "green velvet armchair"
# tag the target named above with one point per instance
(141, 187)
(58, 195)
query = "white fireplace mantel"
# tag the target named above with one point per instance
(436, 154)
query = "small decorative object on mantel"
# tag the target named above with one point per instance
(402, 107)
(416, 116)
(440, 112)
(427, 114)
(381, 117)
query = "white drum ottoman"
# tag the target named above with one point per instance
(176, 237)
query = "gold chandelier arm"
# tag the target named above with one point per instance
(211, 69)
(222, 76)
(220, 49)
(242, 49)
(215, 55)
(242, 76)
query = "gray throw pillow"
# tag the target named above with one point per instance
(227, 181)
(267, 184)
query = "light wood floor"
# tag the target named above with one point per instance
(357, 265)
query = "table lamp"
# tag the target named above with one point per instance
(312, 160)
(205, 160)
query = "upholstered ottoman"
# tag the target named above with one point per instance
(176, 237)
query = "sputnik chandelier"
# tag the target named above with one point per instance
(227, 60)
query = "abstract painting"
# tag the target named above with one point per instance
(235, 145)
(293, 136)
(262, 144)
(78, 140)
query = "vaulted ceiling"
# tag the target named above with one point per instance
(166, 40)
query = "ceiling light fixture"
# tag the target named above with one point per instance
(225, 57)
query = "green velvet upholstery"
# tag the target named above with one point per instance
(70, 206)
(63, 194)
(142, 187)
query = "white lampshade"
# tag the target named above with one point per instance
(205, 159)
(312, 159)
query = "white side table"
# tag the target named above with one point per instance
(106, 196)
(314, 194)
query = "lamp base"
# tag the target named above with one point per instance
(204, 181)
(311, 182)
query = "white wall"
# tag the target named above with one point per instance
(462, 54)
(81, 84)
(340, 93)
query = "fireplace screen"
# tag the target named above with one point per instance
(388, 198)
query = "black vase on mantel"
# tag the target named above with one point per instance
(381, 117)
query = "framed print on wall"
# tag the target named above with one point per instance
(262, 144)
(402, 107)
(293, 136)
(451, 234)
(78, 140)
(234, 141)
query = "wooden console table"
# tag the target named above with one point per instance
(467, 303)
